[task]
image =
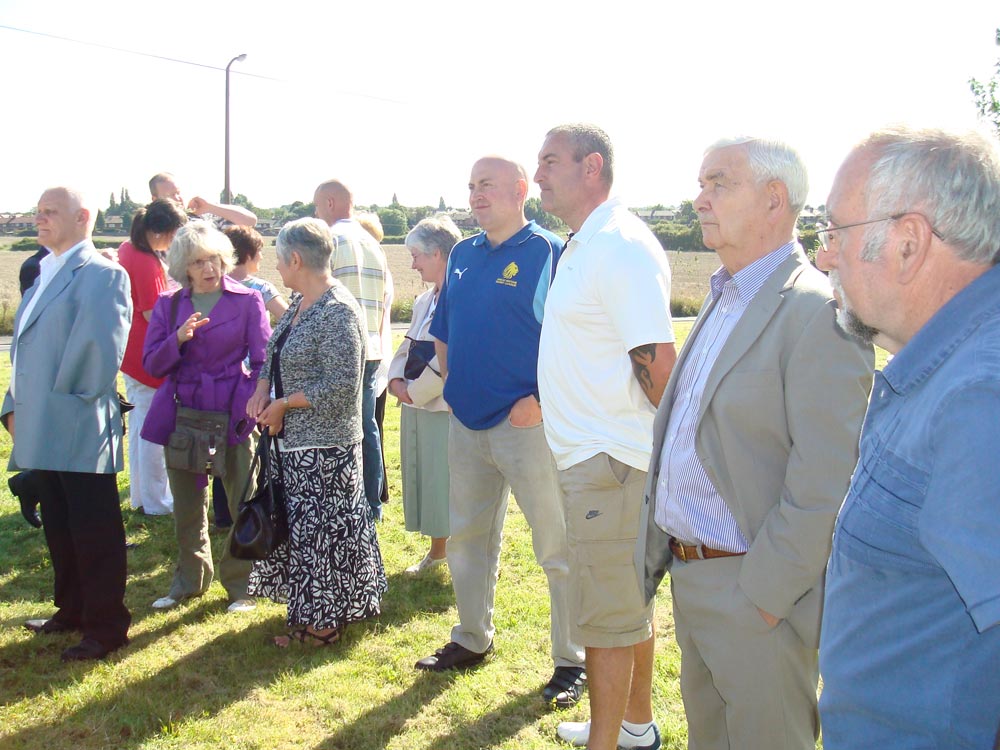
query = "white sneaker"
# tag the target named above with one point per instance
(577, 733)
(242, 605)
(426, 564)
(165, 602)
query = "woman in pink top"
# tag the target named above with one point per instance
(153, 228)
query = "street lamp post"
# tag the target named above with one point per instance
(226, 194)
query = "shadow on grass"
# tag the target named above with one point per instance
(178, 692)
(41, 654)
(379, 725)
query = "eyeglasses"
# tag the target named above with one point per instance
(202, 262)
(824, 232)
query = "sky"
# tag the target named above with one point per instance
(402, 97)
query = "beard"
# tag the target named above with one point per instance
(847, 319)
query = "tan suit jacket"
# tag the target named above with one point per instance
(777, 434)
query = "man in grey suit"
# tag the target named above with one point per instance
(63, 414)
(749, 467)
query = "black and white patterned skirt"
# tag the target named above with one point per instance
(330, 571)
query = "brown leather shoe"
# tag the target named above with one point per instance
(453, 656)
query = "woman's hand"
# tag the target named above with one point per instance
(273, 416)
(186, 331)
(259, 400)
(397, 387)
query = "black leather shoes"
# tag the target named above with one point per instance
(453, 656)
(566, 687)
(88, 649)
(48, 627)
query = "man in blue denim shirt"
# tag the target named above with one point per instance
(910, 646)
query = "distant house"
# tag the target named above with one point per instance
(17, 223)
(114, 224)
(651, 216)
(810, 217)
(463, 219)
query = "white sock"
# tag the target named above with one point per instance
(636, 729)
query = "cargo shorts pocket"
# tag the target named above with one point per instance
(607, 594)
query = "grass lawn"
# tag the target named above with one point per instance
(196, 677)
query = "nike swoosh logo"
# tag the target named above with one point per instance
(593, 514)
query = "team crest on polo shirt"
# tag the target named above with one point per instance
(507, 278)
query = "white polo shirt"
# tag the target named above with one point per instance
(611, 294)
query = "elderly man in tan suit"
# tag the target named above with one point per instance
(749, 467)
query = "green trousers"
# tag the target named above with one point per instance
(194, 571)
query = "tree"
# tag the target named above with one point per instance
(99, 222)
(395, 202)
(985, 96)
(679, 237)
(686, 214)
(415, 215)
(441, 206)
(393, 221)
(112, 204)
(533, 212)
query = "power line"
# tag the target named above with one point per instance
(184, 62)
(133, 52)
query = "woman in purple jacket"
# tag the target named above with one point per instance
(198, 339)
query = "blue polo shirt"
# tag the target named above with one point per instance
(489, 313)
(910, 646)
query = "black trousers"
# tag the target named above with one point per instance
(82, 520)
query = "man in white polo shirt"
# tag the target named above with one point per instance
(605, 357)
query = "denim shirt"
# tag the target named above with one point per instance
(910, 646)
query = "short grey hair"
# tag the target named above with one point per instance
(434, 233)
(589, 139)
(772, 159)
(953, 179)
(196, 238)
(310, 238)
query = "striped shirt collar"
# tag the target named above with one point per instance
(749, 280)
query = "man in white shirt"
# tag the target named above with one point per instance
(605, 356)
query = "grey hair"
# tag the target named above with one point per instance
(589, 139)
(194, 238)
(953, 179)
(772, 159)
(310, 238)
(434, 233)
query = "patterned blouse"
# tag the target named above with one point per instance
(323, 356)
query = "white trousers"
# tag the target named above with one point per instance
(146, 466)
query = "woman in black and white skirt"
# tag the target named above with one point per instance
(330, 571)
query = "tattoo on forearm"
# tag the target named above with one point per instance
(642, 358)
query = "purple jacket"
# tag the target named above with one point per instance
(207, 372)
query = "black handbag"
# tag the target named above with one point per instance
(261, 524)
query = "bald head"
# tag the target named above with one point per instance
(501, 166)
(64, 218)
(333, 201)
(497, 190)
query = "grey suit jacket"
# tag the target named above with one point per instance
(67, 416)
(777, 434)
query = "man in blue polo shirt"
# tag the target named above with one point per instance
(488, 323)
(910, 645)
